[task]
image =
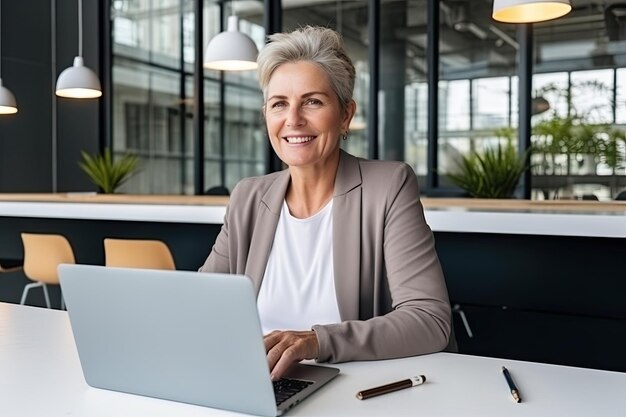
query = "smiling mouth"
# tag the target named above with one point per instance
(299, 139)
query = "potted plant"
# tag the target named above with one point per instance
(494, 172)
(106, 173)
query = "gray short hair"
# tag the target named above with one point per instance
(322, 46)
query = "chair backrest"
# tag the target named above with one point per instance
(43, 253)
(138, 253)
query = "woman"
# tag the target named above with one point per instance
(336, 246)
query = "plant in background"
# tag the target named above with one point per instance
(553, 137)
(493, 173)
(613, 148)
(106, 173)
(573, 138)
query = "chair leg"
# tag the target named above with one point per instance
(27, 288)
(46, 296)
(457, 309)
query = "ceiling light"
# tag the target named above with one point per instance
(231, 50)
(7, 99)
(78, 81)
(539, 105)
(529, 11)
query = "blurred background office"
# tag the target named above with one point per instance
(193, 136)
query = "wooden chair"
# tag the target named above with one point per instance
(138, 253)
(42, 255)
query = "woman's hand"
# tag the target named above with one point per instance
(288, 347)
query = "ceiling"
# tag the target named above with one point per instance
(593, 35)
(471, 44)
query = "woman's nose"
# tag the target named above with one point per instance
(294, 117)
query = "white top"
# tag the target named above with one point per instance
(41, 376)
(298, 288)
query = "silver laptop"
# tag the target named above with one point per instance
(178, 335)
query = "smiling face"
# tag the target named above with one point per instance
(304, 118)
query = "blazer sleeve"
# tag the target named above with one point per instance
(420, 319)
(219, 260)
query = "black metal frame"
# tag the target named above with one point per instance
(198, 101)
(373, 58)
(525, 67)
(106, 77)
(273, 20)
(432, 62)
(182, 107)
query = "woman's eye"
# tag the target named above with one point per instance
(313, 101)
(277, 105)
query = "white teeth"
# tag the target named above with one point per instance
(299, 139)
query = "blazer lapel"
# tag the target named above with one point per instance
(347, 236)
(265, 228)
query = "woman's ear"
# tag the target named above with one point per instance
(349, 114)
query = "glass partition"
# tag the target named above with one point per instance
(577, 87)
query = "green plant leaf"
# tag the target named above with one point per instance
(107, 173)
(494, 173)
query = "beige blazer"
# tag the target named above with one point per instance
(390, 288)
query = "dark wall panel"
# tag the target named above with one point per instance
(78, 119)
(27, 158)
(563, 274)
(555, 299)
(25, 137)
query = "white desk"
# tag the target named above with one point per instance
(40, 375)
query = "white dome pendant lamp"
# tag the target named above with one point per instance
(231, 50)
(78, 81)
(529, 11)
(8, 104)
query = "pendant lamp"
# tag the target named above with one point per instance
(529, 11)
(7, 99)
(231, 50)
(78, 81)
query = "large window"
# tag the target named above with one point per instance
(150, 41)
(477, 82)
(577, 86)
(579, 140)
(153, 57)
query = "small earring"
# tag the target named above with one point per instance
(344, 136)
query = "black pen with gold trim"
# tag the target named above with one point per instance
(394, 386)
(509, 380)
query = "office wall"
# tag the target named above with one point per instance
(41, 144)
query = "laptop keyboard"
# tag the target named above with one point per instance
(285, 388)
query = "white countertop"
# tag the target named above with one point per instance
(545, 224)
(40, 375)
(452, 219)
